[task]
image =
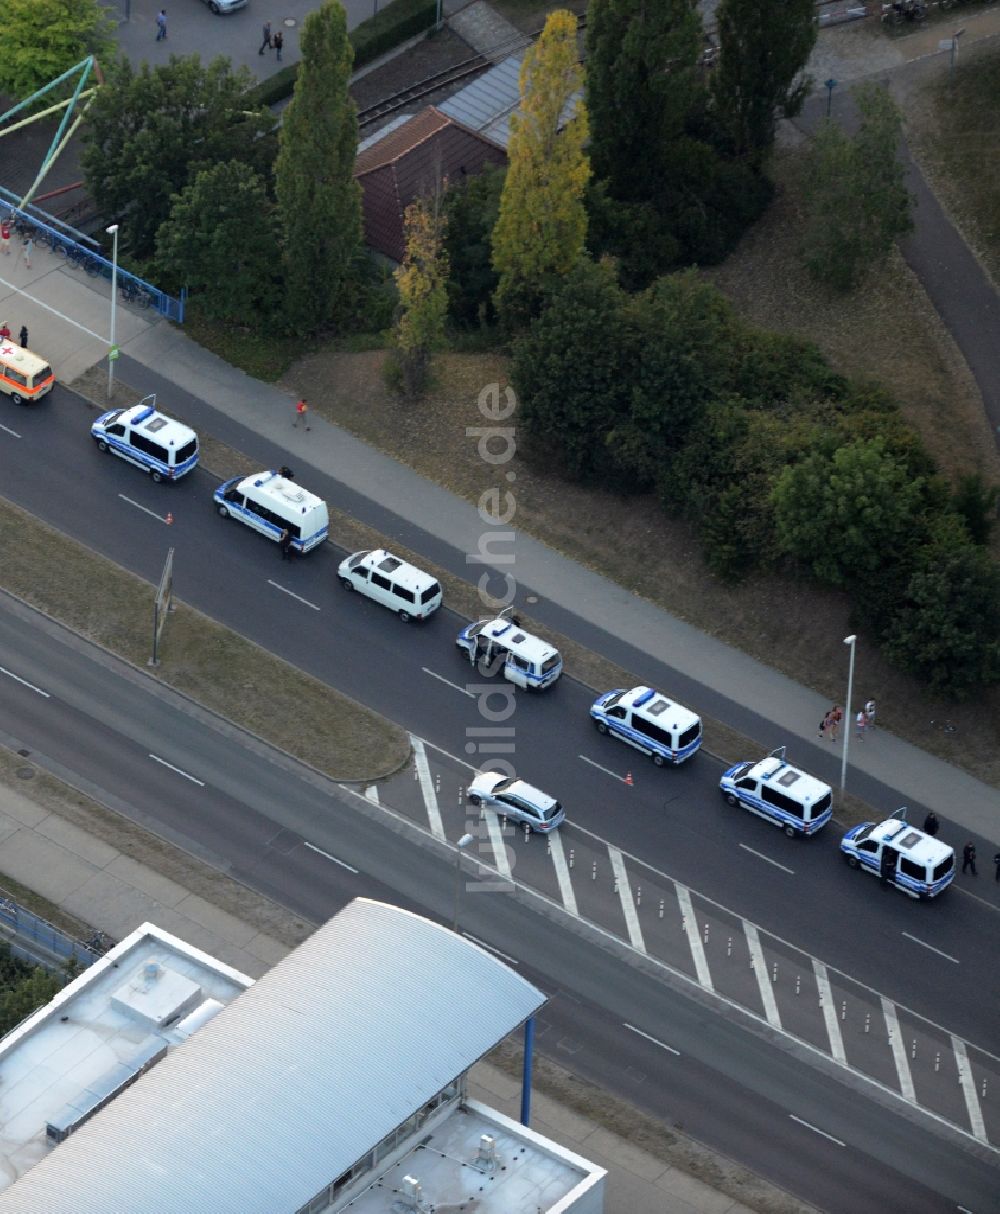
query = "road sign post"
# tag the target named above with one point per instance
(162, 604)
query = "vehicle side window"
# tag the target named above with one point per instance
(118, 430)
(749, 784)
(146, 445)
(641, 725)
(381, 582)
(15, 377)
(617, 713)
(909, 869)
(430, 592)
(402, 593)
(867, 846)
(780, 801)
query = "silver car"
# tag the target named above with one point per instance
(516, 799)
(225, 6)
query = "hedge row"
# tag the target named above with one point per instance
(398, 21)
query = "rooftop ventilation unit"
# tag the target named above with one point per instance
(486, 1160)
(410, 1200)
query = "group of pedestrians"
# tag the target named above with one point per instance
(5, 335)
(6, 228)
(829, 727)
(275, 40)
(932, 826)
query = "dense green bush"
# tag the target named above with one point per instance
(23, 988)
(472, 208)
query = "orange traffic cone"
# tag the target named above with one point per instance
(628, 779)
(170, 518)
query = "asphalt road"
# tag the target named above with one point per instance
(674, 819)
(296, 836)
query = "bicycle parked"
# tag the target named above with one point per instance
(131, 292)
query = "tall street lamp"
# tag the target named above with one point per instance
(459, 848)
(851, 640)
(112, 231)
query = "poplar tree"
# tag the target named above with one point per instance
(764, 46)
(318, 199)
(422, 281)
(542, 226)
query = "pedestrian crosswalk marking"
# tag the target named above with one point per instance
(972, 1105)
(625, 896)
(427, 788)
(763, 978)
(694, 939)
(499, 847)
(898, 1047)
(829, 1012)
(562, 873)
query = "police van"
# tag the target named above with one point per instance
(403, 588)
(501, 644)
(773, 789)
(901, 855)
(271, 503)
(647, 720)
(157, 444)
(23, 375)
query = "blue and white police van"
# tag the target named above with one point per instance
(773, 789)
(157, 444)
(270, 503)
(501, 645)
(901, 855)
(649, 721)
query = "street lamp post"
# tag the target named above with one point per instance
(851, 640)
(459, 847)
(954, 53)
(112, 231)
(829, 85)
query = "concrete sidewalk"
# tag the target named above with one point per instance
(113, 892)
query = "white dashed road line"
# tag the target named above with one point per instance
(924, 944)
(24, 682)
(292, 595)
(625, 896)
(694, 939)
(144, 509)
(663, 1046)
(763, 978)
(179, 770)
(816, 1130)
(607, 770)
(760, 856)
(427, 788)
(898, 1047)
(829, 1012)
(326, 856)
(441, 679)
(562, 873)
(8, 430)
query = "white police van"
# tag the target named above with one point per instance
(157, 444)
(270, 503)
(647, 720)
(501, 644)
(403, 588)
(773, 789)
(901, 855)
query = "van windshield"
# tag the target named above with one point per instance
(42, 375)
(550, 663)
(187, 451)
(432, 590)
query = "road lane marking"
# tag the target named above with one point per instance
(24, 682)
(499, 847)
(760, 856)
(607, 770)
(447, 753)
(972, 1106)
(817, 1130)
(326, 856)
(663, 1046)
(490, 949)
(694, 939)
(562, 873)
(293, 595)
(145, 509)
(441, 679)
(898, 1046)
(924, 944)
(8, 430)
(763, 978)
(625, 897)
(427, 788)
(180, 771)
(829, 1012)
(371, 794)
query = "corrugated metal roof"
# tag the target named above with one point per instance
(492, 95)
(293, 1082)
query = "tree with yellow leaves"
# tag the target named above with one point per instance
(422, 281)
(542, 227)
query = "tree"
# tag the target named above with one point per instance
(151, 130)
(423, 294)
(204, 245)
(845, 512)
(570, 371)
(542, 226)
(472, 210)
(858, 204)
(27, 994)
(44, 38)
(947, 630)
(319, 200)
(763, 47)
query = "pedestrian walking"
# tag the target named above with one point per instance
(826, 724)
(285, 544)
(870, 713)
(969, 857)
(301, 413)
(23, 338)
(996, 861)
(267, 37)
(836, 716)
(861, 724)
(4, 331)
(278, 42)
(29, 245)
(161, 25)
(931, 824)
(5, 235)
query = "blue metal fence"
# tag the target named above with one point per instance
(38, 942)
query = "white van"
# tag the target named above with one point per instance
(647, 720)
(773, 789)
(23, 375)
(502, 645)
(403, 588)
(269, 503)
(901, 855)
(157, 444)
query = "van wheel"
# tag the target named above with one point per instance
(791, 832)
(475, 799)
(347, 583)
(101, 445)
(852, 861)
(17, 398)
(224, 511)
(601, 726)
(155, 476)
(405, 616)
(732, 798)
(659, 760)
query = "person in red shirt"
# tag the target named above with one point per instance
(301, 413)
(5, 235)
(4, 331)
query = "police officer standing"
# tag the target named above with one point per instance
(996, 861)
(931, 824)
(286, 545)
(969, 857)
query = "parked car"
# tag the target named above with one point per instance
(225, 6)
(516, 799)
